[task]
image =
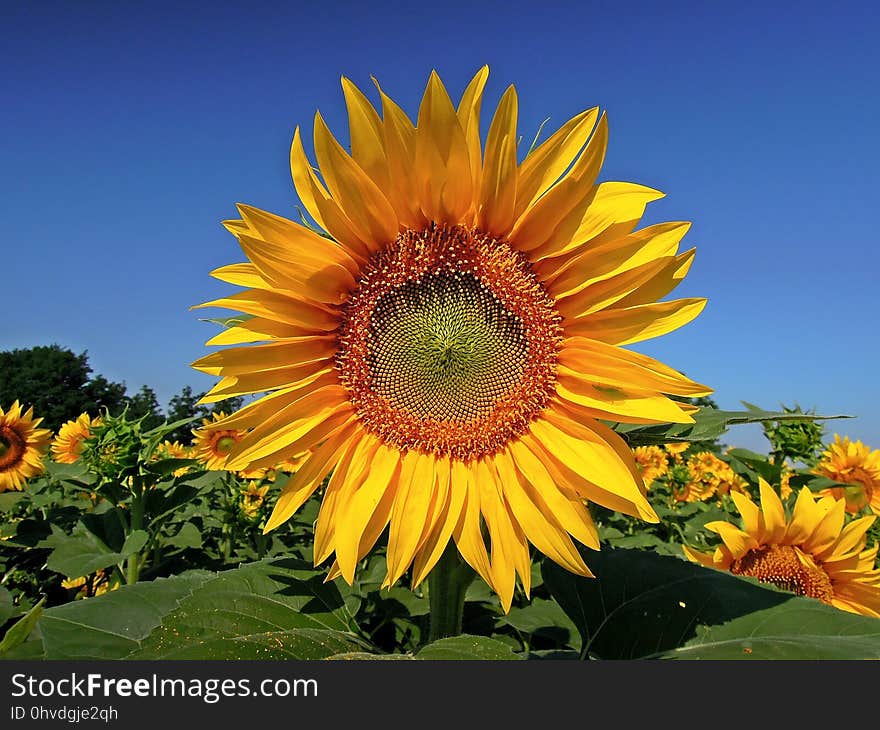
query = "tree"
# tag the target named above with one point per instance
(144, 404)
(56, 383)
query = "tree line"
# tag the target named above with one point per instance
(60, 385)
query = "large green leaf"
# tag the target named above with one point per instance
(267, 610)
(708, 425)
(643, 605)
(467, 647)
(80, 553)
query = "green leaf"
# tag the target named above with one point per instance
(8, 500)
(188, 536)
(21, 629)
(278, 609)
(7, 607)
(642, 605)
(467, 647)
(79, 554)
(545, 619)
(133, 543)
(708, 425)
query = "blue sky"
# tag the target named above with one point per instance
(128, 133)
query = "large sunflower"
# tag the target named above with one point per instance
(22, 446)
(851, 462)
(67, 445)
(451, 345)
(811, 554)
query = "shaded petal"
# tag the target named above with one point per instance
(634, 324)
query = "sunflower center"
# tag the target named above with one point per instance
(12, 448)
(449, 343)
(444, 347)
(224, 443)
(788, 568)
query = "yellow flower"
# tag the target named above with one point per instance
(450, 348)
(292, 463)
(851, 462)
(715, 473)
(811, 553)
(68, 444)
(22, 446)
(652, 462)
(214, 440)
(694, 490)
(676, 451)
(93, 585)
(173, 450)
(785, 489)
(252, 498)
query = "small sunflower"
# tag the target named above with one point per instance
(68, 443)
(252, 498)
(811, 553)
(718, 474)
(213, 441)
(676, 451)
(652, 463)
(22, 446)
(450, 348)
(851, 462)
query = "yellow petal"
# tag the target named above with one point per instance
(469, 117)
(662, 282)
(570, 273)
(280, 308)
(358, 196)
(751, 515)
(500, 530)
(291, 352)
(570, 514)
(432, 548)
(773, 519)
(634, 324)
(350, 472)
(367, 145)
(409, 512)
(467, 534)
(307, 478)
(736, 540)
(546, 163)
(616, 366)
(442, 163)
(355, 514)
(498, 192)
(616, 402)
(582, 450)
(321, 206)
(612, 204)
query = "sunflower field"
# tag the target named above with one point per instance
(447, 448)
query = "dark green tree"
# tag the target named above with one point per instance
(57, 383)
(144, 404)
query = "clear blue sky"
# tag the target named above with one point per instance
(128, 133)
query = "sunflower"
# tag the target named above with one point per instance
(68, 443)
(252, 498)
(652, 462)
(715, 473)
(851, 462)
(676, 450)
(174, 450)
(22, 446)
(811, 553)
(450, 341)
(213, 441)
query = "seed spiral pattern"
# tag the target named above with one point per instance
(449, 343)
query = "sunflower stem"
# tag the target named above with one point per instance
(447, 585)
